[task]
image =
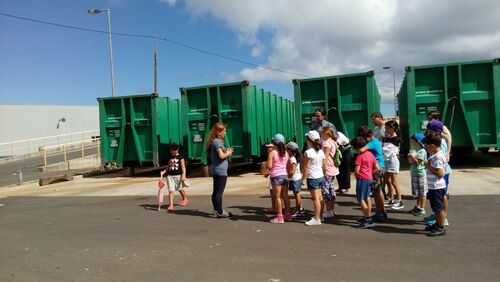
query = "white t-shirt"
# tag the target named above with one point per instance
(297, 175)
(342, 139)
(316, 163)
(438, 160)
(379, 132)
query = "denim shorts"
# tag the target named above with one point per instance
(363, 189)
(279, 180)
(295, 186)
(329, 188)
(436, 197)
(313, 184)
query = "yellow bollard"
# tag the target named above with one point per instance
(64, 150)
(45, 156)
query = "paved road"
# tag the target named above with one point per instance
(125, 239)
(29, 166)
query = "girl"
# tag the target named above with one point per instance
(390, 152)
(295, 176)
(176, 175)
(277, 160)
(314, 166)
(329, 148)
(218, 169)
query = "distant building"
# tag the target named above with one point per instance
(19, 122)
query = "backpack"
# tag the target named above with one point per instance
(337, 157)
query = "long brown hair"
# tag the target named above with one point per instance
(214, 132)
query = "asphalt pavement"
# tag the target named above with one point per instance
(127, 239)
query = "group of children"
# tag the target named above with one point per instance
(377, 165)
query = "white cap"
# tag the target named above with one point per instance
(313, 135)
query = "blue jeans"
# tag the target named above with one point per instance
(218, 189)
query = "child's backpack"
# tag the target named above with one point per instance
(337, 157)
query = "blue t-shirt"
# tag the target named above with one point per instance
(219, 166)
(375, 148)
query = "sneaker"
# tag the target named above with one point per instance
(420, 213)
(287, 216)
(328, 214)
(430, 218)
(278, 219)
(184, 202)
(224, 214)
(170, 208)
(366, 223)
(313, 221)
(414, 210)
(446, 223)
(430, 227)
(379, 217)
(297, 212)
(388, 203)
(437, 232)
(397, 205)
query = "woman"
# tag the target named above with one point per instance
(218, 169)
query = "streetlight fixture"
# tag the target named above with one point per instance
(394, 88)
(98, 11)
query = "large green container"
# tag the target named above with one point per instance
(136, 130)
(467, 95)
(349, 100)
(253, 116)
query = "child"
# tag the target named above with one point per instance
(176, 175)
(374, 146)
(366, 166)
(295, 176)
(435, 166)
(390, 150)
(265, 172)
(417, 160)
(276, 162)
(329, 149)
(437, 127)
(314, 167)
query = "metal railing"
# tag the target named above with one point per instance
(47, 145)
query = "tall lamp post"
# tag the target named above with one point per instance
(98, 11)
(394, 89)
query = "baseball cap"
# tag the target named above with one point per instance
(313, 135)
(435, 125)
(278, 138)
(418, 137)
(292, 146)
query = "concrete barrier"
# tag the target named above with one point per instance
(88, 162)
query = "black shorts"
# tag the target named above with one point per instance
(436, 198)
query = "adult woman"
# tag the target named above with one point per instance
(219, 154)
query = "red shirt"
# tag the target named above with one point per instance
(366, 162)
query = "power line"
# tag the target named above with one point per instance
(155, 37)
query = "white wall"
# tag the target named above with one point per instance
(18, 122)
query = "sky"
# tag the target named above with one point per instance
(269, 43)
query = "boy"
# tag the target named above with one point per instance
(375, 147)
(435, 166)
(366, 166)
(176, 175)
(417, 160)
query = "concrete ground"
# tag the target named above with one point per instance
(107, 228)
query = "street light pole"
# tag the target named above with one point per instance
(394, 88)
(98, 11)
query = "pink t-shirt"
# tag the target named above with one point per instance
(366, 161)
(331, 169)
(279, 164)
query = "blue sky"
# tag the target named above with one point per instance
(43, 64)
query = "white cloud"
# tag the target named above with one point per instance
(171, 3)
(324, 37)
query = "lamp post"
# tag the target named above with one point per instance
(394, 89)
(98, 11)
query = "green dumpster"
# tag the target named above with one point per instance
(136, 130)
(252, 116)
(348, 99)
(467, 94)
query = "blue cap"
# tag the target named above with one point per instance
(278, 138)
(418, 137)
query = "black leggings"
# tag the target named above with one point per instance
(219, 186)
(344, 177)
